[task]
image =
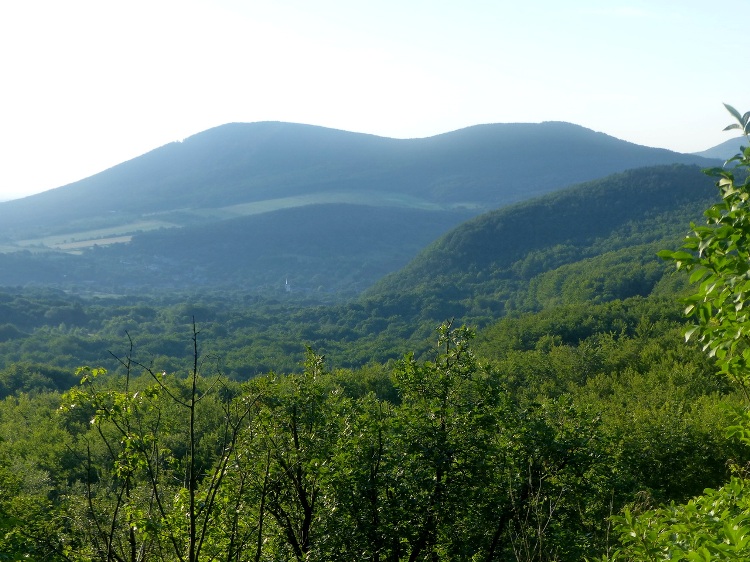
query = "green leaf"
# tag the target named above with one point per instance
(733, 111)
(680, 255)
(689, 332)
(697, 275)
(665, 254)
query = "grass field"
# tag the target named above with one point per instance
(372, 198)
(87, 238)
(75, 242)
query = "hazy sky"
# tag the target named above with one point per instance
(87, 84)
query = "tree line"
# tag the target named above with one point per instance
(457, 456)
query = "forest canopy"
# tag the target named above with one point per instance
(573, 421)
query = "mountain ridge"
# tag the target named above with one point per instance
(724, 150)
(294, 179)
(483, 166)
(495, 256)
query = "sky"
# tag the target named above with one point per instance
(88, 84)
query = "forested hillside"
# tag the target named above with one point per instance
(592, 243)
(209, 425)
(329, 251)
(249, 206)
(520, 257)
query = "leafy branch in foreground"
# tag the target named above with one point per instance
(715, 525)
(718, 257)
(157, 464)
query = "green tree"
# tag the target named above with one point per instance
(481, 476)
(33, 522)
(155, 464)
(298, 422)
(440, 427)
(715, 525)
(717, 255)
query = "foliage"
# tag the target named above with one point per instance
(451, 459)
(712, 526)
(154, 463)
(718, 257)
(518, 446)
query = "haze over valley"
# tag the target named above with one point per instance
(262, 303)
(258, 206)
(384, 281)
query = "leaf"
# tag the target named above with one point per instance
(734, 112)
(680, 255)
(665, 254)
(697, 275)
(690, 332)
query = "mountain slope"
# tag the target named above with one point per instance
(725, 150)
(212, 211)
(507, 259)
(594, 242)
(480, 167)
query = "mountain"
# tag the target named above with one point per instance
(188, 213)
(593, 242)
(725, 150)
(479, 167)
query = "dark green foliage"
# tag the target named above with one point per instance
(25, 378)
(711, 526)
(582, 401)
(628, 361)
(497, 254)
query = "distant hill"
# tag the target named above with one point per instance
(479, 167)
(592, 242)
(148, 220)
(725, 150)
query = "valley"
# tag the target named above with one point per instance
(242, 188)
(453, 361)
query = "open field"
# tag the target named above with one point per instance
(80, 245)
(372, 198)
(121, 234)
(87, 238)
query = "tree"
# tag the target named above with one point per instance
(440, 426)
(156, 461)
(479, 476)
(717, 255)
(715, 525)
(298, 425)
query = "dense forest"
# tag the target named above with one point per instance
(516, 444)
(252, 207)
(522, 390)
